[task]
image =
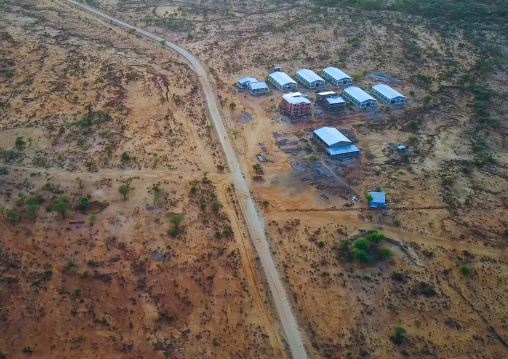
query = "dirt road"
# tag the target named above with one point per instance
(253, 220)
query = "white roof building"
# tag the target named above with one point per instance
(242, 83)
(334, 142)
(387, 94)
(257, 87)
(359, 97)
(309, 78)
(282, 81)
(295, 98)
(336, 76)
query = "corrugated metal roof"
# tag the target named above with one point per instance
(342, 150)
(295, 98)
(309, 75)
(326, 93)
(378, 197)
(245, 80)
(336, 73)
(387, 91)
(282, 78)
(330, 135)
(358, 94)
(256, 85)
(334, 100)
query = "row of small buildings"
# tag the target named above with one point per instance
(330, 99)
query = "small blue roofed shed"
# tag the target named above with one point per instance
(401, 148)
(244, 81)
(378, 199)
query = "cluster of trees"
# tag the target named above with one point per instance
(366, 249)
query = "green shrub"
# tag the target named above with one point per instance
(385, 253)
(84, 203)
(399, 336)
(361, 256)
(62, 206)
(465, 270)
(362, 244)
(399, 277)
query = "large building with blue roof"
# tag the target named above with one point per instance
(336, 76)
(334, 142)
(310, 79)
(282, 81)
(257, 88)
(359, 97)
(387, 94)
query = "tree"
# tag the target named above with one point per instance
(368, 197)
(125, 156)
(62, 206)
(361, 256)
(81, 141)
(232, 105)
(19, 143)
(12, 215)
(32, 205)
(375, 237)
(84, 203)
(215, 205)
(176, 219)
(124, 190)
(399, 336)
(92, 219)
(362, 244)
(465, 270)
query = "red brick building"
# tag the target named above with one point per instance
(296, 104)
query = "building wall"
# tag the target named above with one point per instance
(397, 100)
(296, 109)
(314, 84)
(335, 81)
(358, 103)
(258, 91)
(282, 87)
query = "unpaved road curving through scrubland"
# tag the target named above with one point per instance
(252, 219)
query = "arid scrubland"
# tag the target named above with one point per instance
(97, 108)
(119, 236)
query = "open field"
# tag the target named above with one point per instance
(194, 290)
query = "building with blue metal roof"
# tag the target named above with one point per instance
(387, 94)
(330, 101)
(282, 81)
(310, 79)
(336, 76)
(334, 142)
(359, 97)
(378, 199)
(243, 82)
(257, 88)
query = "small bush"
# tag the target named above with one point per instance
(321, 244)
(385, 253)
(399, 277)
(399, 336)
(125, 156)
(465, 270)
